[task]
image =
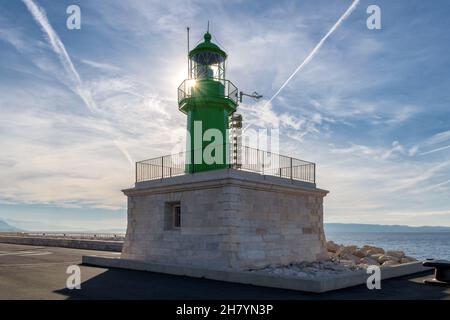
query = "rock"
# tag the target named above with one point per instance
(407, 259)
(332, 247)
(369, 261)
(370, 250)
(347, 250)
(360, 253)
(390, 263)
(348, 263)
(383, 258)
(332, 255)
(349, 256)
(397, 254)
(375, 256)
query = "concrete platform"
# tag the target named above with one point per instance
(258, 278)
(27, 272)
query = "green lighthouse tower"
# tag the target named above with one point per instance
(208, 100)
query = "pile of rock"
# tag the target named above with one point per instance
(342, 259)
(310, 270)
(365, 256)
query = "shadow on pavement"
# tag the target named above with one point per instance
(129, 284)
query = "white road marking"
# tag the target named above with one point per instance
(43, 253)
(38, 264)
(24, 253)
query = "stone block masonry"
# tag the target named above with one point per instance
(228, 219)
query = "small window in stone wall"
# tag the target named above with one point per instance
(177, 216)
(172, 216)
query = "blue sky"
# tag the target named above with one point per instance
(78, 107)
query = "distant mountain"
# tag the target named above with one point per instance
(329, 227)
(5, 227)
(354, 227)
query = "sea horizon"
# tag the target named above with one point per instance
(420, 245)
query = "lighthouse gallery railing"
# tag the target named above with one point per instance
(185, 89)
(250, 159)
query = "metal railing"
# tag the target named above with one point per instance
(185, 89)
(68, 235)
(250, 159)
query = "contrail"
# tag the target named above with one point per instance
(435, 150)
(125, 152)
(316, 48)
(59, 48)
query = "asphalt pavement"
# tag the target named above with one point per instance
(31, 272)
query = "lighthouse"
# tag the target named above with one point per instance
(208, 99)
(211, 208)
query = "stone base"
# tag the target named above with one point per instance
(258, 279)
(230, 219)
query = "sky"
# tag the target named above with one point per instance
(79, 107)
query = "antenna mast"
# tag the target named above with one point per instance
(189, 62)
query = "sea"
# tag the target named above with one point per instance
(422, 246)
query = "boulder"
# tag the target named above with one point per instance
(348, 263)
(332, 247)
(390, 263)
(369, 261)
(397, 254)
(360, 253)
(383, 258)
(351, 257)
(372, 249)
(347, 250)
(332, 255)
(375, 256)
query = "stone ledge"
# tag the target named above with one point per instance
(255, 278)
(221, 178)
(101, 245)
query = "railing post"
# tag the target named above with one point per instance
(257, 160)
(136, 172)
(264, 155)
(162, 167)
(291, 167)
(314, 173)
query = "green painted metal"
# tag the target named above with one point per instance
(207, 45)
(207, 103)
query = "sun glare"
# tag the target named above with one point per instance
(191, 83)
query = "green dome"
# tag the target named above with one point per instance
(207, 45)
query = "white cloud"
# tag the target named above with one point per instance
(438, 138)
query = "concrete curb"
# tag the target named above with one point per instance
(102, 245)
(258, 279)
